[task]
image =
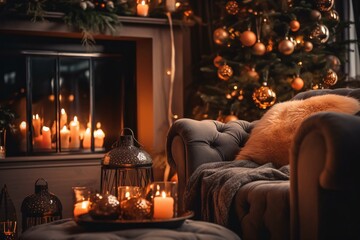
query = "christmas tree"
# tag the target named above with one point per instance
(266, 52)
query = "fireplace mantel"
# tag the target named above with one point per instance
(153, 51)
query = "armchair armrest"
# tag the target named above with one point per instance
(324, 182)
(191, 143)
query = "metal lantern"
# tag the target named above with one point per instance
(40, 207)
(125, 165)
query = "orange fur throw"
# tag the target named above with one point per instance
(270, 139)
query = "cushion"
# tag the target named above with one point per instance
(270, 139)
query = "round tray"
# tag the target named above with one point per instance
(91, 224)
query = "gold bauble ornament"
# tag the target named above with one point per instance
(308, 46)
(264, 97)
(286, 47)
(248, 38)
(225, 72)
(259, 49)
(218, 61)
(230, 117)
(324, 5)
(332, 16)
(220, 36)
(315, 15)
(233, 34)
(294, 25)
(333, 62)
(232, 7)
(330, 78)
(253, 74)
(104, 207)
(319, 34)
(297, 83)
(135, 209)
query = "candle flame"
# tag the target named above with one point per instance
(143, 2)
(45, 129)
(163, 194)
(23, 125)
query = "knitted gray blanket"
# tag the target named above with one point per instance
(212, 187)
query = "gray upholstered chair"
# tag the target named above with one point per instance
(321, 198)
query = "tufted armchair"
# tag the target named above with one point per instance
(321, 198)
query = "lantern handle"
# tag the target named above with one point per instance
(36, 183)
(132, 134)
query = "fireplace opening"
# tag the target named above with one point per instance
(68, 99)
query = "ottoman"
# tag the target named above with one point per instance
(67, 229)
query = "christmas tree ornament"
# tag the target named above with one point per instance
(333, 62)
(297, 83)
(332, 17)
(286, 47)
(264, 97)
(294, 25)
(220, 36)
(233, 34)
(324, 5)
(110, 5)
(259, 49)
(248, 38)
(315, 15)
(104, 207)
(218, 61)
(330, 77)
(308, 46)
(253, 74)
(232, 7)
(225, 72)
(319, 34)
(135, 208)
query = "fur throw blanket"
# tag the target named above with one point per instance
(271, 138)
(212, 187)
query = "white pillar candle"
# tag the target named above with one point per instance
(163, 206)
(37, 125)
(142, 9)
(23, 130)
(64, 137)
(87, 138)
(46, 135)
(63, 118)
(171, 5)
(99, 136)
(74, 133)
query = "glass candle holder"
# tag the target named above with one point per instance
(133, 203)
(81, 201)
(142, 8)
(164, 199)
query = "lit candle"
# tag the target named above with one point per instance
(171, 5)
(99, 136)
(64, 137)
(163, 206)
(81, 208)
(142, 9)
(37, 125)
(87, 138)
(22, 127)
(63, 118)
(46, 137)
(75, 133)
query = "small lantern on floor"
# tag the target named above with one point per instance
(125, 165)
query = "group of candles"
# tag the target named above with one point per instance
(142, 8)
(163, 199)
(69, 137)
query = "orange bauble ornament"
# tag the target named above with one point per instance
(297, 84)
(218, 61)
(259, 49)
(308, 46)
(286, 47)
(264, 97)
(294, 25)
(225, 72)
(248, 38)
(220, 36)
(330, 78)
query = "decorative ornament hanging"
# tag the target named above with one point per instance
(104, 207)
(294, 25)
(259, 48)
(308, 46)
(324, 5)
(332, 17)
(286, 47)
(264, 97)
(253, 74)
(333, 62)
(330, 77)
(220, 36)
(136, 208)
(315, 15)
(248, 38)
(218, 61)
(297, 83)
(233, 34)
(225, 72)
(232, 7)
(319, 34)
